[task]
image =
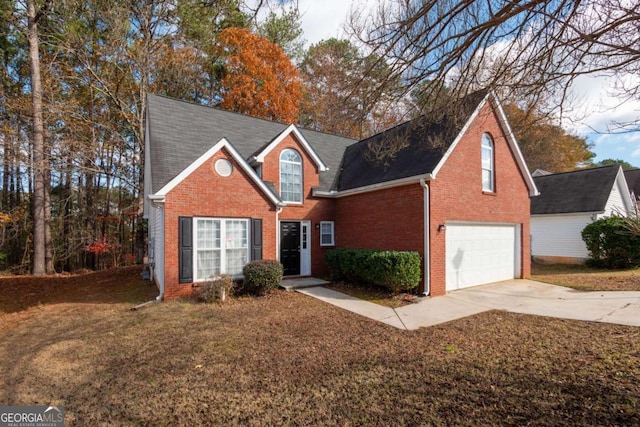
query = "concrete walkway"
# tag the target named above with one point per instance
(517, 296)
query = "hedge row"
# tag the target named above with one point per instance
(611, 244)
(395, 270)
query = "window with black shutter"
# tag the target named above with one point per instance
(185, 256)
(256, 239)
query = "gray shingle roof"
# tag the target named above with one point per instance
(425, 143)
(633, 182)
(584, 190)
(180, 132)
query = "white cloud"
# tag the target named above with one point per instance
(322, 20)
(598, 103)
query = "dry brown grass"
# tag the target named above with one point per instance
(586, 278)
(287, 359)
(373, 293)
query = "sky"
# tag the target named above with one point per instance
(593, 107)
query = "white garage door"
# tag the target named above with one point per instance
(480, 253)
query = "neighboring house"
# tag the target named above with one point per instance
(222, 189)
(540, 172)
(567, 203)
(633, 182)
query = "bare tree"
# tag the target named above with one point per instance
(530, 48)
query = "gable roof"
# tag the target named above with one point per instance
(423, 147)
(291, 130)
(633, 182)
(540, 172)
(180, 132)
(585, 190)
(223, 143)
(413, 156)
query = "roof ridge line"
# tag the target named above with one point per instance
(213, 107)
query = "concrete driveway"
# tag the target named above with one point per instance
(517, 296)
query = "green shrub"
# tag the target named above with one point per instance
(610, 244)
(260, 277)
(396, 270)
(213, 289)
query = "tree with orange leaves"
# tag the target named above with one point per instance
(257, 77)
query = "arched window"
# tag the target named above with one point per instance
(488, 183)
(291, 176)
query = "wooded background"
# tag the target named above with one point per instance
(74, 75)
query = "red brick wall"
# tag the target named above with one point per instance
(312, 209)
(393, 218)
(205, 193)
(383, 219)
(456, 193)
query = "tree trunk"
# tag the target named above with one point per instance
(39, 160)
(48, 240)
(66, 224)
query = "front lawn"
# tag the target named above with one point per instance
(586, 278)
(288, 359)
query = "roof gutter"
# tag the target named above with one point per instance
(374, 187)
(546, 215)
(156, 198)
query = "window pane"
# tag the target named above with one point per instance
(208, 263)
(326, 233)
(236, 234)
(486, 158)
(487, 181)
(236, 259)
(208, 233)
(290, 176)
(487, 163)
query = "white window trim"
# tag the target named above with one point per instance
(491, 146)
(222, 248)
(280, 161)
(332, 234)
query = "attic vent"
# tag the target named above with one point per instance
(223, 167)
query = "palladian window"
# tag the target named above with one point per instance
(488, 183)
(291, 176)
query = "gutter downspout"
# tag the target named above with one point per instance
(278, 211)
(158, 213)
(427, 265)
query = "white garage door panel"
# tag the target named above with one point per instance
(478, 254)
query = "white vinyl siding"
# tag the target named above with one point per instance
(616, 204)
(327, 233)
(291, 176)
(221, 246)
(480, 253)
(559, 235)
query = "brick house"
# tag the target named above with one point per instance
(222, 189)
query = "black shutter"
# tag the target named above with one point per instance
(185, 248)
(256, 239)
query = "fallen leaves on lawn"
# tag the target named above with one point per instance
(288, 359)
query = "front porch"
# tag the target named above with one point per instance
(293, 283)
